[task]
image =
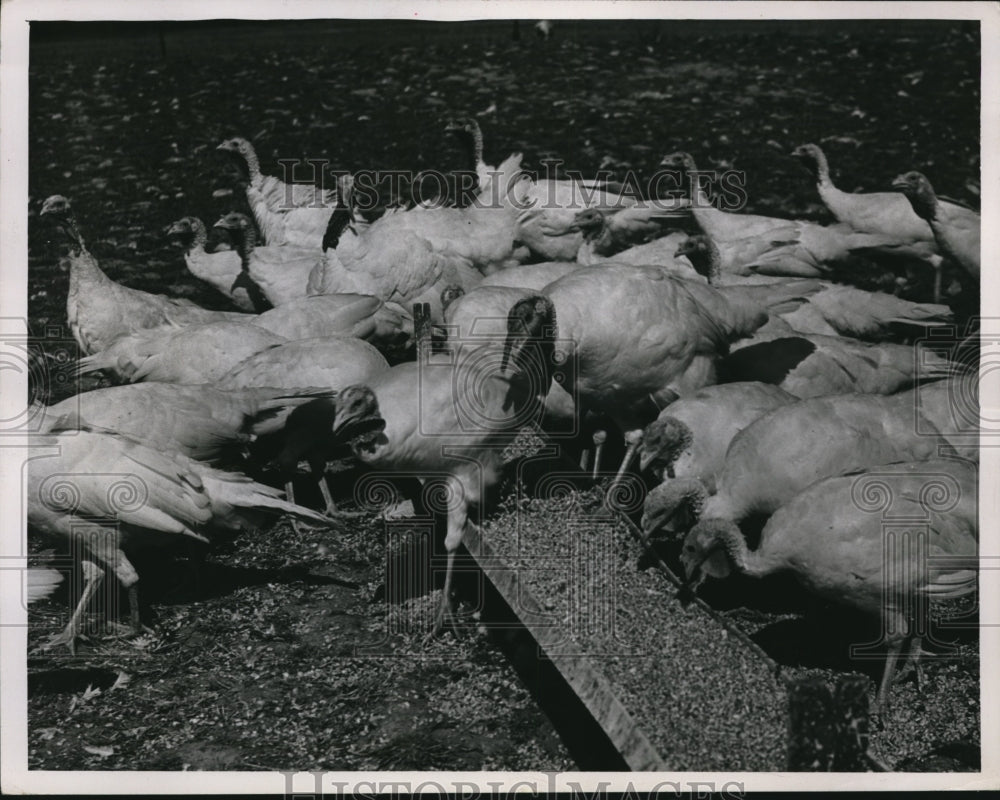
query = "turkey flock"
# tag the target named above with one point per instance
(728, 355)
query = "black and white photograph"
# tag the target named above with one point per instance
(435, 397)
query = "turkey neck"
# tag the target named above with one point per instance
(701, 207)
(599, 238)
(682, 442)
(709, 263)
(338, 223)
(746, 561)
(199, 238)
(820, 169)
(247, 242)
(473, 144)
(83, 266)
(253, 167)
(925, 204)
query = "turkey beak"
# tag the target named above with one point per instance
(359, 427)
(651, 523)
(645, 458)
(695, 578)
(174, 230)
(899, 184)
(680, 251)
(345, 417)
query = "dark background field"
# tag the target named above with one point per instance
(124, 119)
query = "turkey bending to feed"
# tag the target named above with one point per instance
(691, 436)
(323, 429)
(785, 450)
(427, 435)
(837, 547)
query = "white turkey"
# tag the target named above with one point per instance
(833, 539)
(286, 213)
(191, 354)
(782, 452)
(98, 309)
(107, 494)
(219, 269)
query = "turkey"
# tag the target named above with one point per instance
(330, 362)
(843, 309)
(880, 213)
(286, 213)
(198, 421)
(785, 450)
(722, 226)
(468, 132)
(832, 537)
(691, 436)
(810, 365)
(98, 309)
(868, 212)
(623, 371)
(955, 227)
(321, 430)
(600, 244)
(771, 245)
(107, 494)
(530, 276)
(387, 326)
(193, 354)
(478, 319)
(427, 434)
(408, 257)
(282, 271)
(549, 228)
(220, 269)
(572, 331)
